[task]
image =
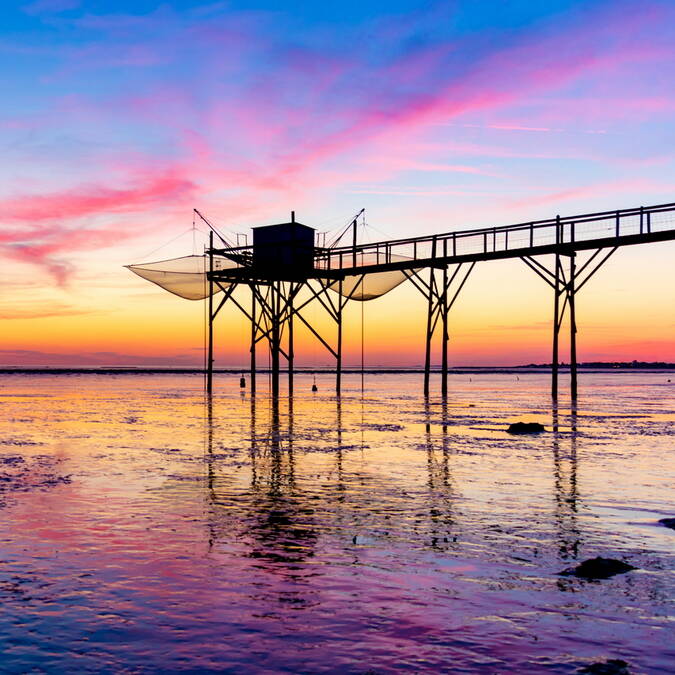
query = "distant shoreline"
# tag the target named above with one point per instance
(624, 367)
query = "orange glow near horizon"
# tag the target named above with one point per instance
(502, 317)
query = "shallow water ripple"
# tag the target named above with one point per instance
(143, 530)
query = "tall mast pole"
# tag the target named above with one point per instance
(354, 235)
(209, 365)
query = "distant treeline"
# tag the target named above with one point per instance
(621, 365)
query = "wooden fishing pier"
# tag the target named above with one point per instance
(285, 270)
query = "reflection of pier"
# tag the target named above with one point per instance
(565, 481)
(277, 522)
(282, 506)
(292, 490)
(440, 496)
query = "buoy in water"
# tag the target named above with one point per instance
(242, 382)
(314, 387)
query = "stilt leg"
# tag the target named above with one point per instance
(444, 355)
(209, 364)
(573, 329)
(556, 326)
(338, 358)
(291, 356)
(427, 343)
(275, 299)
(254, 335)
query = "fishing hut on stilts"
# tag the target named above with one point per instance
(285, 269)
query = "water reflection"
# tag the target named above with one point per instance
(440, 495)
(390, 533)
(565, 470)
(281, 511)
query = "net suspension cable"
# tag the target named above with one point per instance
(172, 240)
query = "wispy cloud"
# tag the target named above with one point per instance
(43, 228)
(89, 199)
(619, 187)
(34, 357)
(41, 311)
(50, 6)
(418, 192)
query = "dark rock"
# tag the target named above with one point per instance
(668, 522)
(598, 568)
(525, 428)
(609, 667)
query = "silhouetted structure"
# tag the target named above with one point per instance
(284, 260)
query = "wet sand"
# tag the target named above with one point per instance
(143, 530)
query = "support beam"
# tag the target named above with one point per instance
(567, 287)
(272, 317)
(440, 301)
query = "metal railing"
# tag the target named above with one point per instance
(613, 227)
(524, 238)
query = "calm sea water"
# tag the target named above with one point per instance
(142, 530)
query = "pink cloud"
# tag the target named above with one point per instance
(93, 199)
(44, 243)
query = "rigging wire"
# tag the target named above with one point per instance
(375, 229)
(363, 331)
(322, 235)
(194, 234)
(366, 227)
(220, 236)
(171, 241)
(313, 308)
(345, 229)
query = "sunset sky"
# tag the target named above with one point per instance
(117, 118)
